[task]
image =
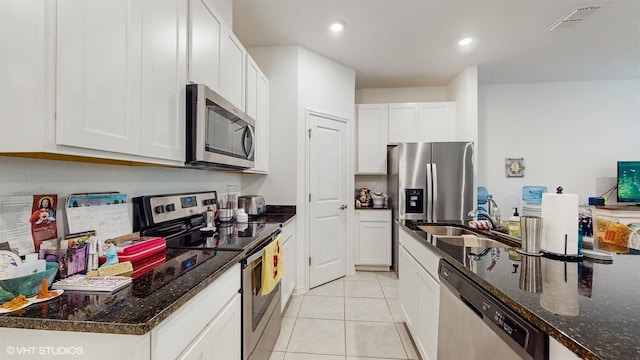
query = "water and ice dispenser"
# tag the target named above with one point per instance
(414, 201)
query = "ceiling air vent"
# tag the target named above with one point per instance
(573, 17)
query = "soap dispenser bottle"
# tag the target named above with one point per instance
(514, 224)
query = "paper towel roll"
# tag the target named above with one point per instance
(560, 218)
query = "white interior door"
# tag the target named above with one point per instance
(327, 225)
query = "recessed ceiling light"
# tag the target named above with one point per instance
(337, 26)
(465, 41)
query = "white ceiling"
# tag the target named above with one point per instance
(405, 43)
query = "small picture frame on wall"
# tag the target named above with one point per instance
(514, 167)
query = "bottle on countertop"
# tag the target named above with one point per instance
(514, 224)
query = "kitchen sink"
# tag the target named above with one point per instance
(446, 230)
(471, 241)
(460, 236)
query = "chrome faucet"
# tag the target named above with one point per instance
(494, 223)
(493, 209)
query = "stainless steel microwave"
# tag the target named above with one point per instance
(219, 135)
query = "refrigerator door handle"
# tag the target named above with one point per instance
(434, 192)
(429, 194)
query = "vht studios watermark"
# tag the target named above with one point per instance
(45, 350)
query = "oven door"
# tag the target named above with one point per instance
(218, 134)
(261, 314)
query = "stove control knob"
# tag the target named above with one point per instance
(170, 207)
(159, 209)
(206, 202)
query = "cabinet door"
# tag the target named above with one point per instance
(251, 102)
(426, 335)
(289, 256)
(373, 240)
(372, 139)
(436, 122)
(256, 104)
(204, 45)
(222, 338)
(232, 68)
(262, 125)
(98, 74)
(407, 283)
(226, 332)
(164, 76)
(403, 123)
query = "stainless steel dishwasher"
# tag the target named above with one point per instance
(475, 325)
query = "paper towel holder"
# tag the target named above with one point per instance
(565, 256)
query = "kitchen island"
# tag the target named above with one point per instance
(597, 315)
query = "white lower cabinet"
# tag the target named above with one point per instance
(373, 238)
(288, 282)
(209, 323)
(208, 326)
(221, 339)
(419, 294)
(428, 291)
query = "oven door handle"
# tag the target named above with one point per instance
(259, 251)
(255, 256)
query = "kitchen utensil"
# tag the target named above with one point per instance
(253, 205)
(241, 216)
(226, 215)
(531, 227)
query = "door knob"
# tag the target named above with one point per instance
(344, 206)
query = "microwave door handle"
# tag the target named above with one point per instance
(252, 134)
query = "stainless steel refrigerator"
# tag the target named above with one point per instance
(430, 182)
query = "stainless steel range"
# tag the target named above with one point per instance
(180, 219)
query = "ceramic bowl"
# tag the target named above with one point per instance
(27, 285)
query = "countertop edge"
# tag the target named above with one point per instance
(117, 328)
(543, 325)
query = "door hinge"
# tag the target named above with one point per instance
(309, 133)
(309, 197)
(309, 260)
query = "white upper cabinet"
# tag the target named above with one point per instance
(422, 122)
(164, 76)
(256, 104)
(371, 139)
(436, 121)
(99, 74)
(121, 72)
(204, 45)
(403, 123)
(232, 68)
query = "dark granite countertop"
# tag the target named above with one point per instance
(141, 306)
(136, 309)
(278, 214)
(374, 207)
(595, 312)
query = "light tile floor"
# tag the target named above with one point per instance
(354, 318)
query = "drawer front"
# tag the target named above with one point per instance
(374, 215)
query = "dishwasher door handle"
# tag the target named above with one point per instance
(472, 307)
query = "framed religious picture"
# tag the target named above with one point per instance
(514, 167)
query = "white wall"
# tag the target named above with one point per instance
(299, 79)
(21, 176)
(463, 89)
(408, 94)
(280, 65)
(569, 133)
